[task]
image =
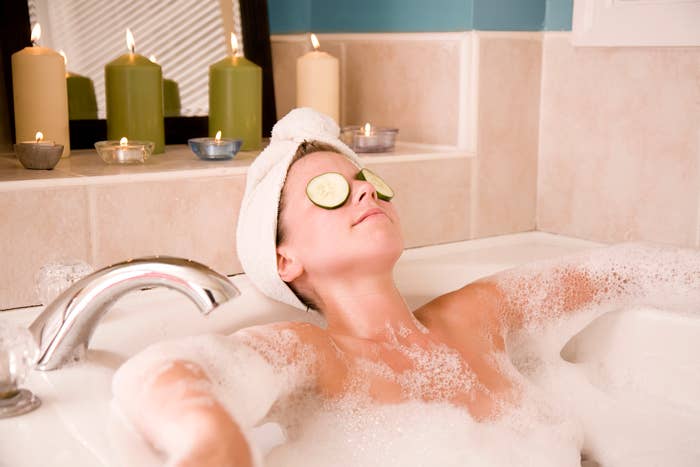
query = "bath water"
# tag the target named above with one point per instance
(565, 407)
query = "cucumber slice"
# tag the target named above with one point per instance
(329, 190)
(384, 191)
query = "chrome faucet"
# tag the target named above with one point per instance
(63, 330)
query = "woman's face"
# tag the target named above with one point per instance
(338, 242)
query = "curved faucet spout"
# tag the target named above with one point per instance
(63, 330)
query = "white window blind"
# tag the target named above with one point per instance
(185, 36)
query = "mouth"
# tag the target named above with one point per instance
(368, 214)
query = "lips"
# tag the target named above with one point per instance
(366, 214)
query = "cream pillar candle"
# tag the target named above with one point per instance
(40, 95)
(318, 81)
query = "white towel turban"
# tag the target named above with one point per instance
(256, 235)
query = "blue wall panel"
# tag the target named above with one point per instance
(391, 15)
(291, 16)
(559, 14)
(509, 15)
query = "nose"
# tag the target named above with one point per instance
(362, 189)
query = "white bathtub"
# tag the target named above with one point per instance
(71, 429)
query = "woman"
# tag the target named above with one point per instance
(338, 258)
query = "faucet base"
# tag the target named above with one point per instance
(20, 403)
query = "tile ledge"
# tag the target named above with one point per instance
(184, 165)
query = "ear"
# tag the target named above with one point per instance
(288, 266)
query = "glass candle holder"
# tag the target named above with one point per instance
(369, 139)
(39, 155)
(124, 152)
(215, 149)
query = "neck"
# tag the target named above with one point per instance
(367, 308)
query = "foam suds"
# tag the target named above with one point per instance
(600, 402)
(632, 376)
(355, 432)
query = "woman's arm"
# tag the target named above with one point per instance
(195, 399)
(604, 279)
(179, 414)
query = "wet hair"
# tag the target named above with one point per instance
(304, 149)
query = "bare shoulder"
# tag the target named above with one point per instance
(286, 342)
(473, 311)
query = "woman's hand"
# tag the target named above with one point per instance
(215, 440)
(178, 413)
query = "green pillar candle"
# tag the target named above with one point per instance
(235, 99)
(171, 98)
(82, 104)
(134, 89)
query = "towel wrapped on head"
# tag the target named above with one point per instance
(256, 235)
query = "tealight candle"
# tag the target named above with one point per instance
(124, 151)
(38, 154)
(215, 149)
(369, 138)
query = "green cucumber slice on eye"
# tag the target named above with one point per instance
(384, 191)
(329, 190)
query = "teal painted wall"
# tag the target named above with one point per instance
(293, 16)
(509, 15)
(391, 15)
(288, 16)
(559, 14)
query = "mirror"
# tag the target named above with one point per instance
(185, 36)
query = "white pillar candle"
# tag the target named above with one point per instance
(318, 81)
(40, 95)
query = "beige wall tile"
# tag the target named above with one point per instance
(432, 199)
(619, 147)
(409, 84)
(39, 226)
(193, 218)
(507, 134)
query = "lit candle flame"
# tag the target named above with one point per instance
(39, 136)
(153, 59)
(130, 42)
(217, 138)
(36, 33)
(234, 44)
(63, 54)
(123, 142)
(315, 42)
(368, 129)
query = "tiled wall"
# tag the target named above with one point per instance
(409, 81)
(506, 132)
(596, 143)
(189, 216)
(620, 143)
(475, 90)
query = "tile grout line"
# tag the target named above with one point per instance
(474, 118)
(697, 217)
(92, 224)
(540, 132)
